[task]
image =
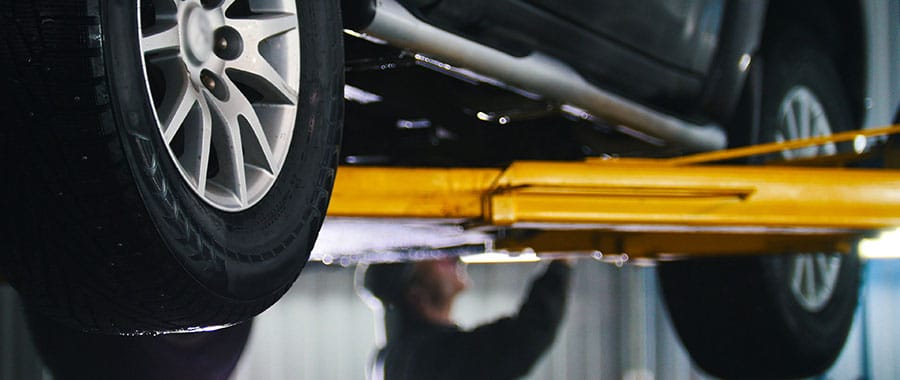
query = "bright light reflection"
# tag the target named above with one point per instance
(744, 63)
(359, 95)
(860, 143)
(365, 37)
(500, 258)
(885, 246)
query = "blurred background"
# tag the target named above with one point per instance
(616, 327)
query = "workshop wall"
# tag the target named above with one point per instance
(18, 359)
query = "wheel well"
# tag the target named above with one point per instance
(838, 26)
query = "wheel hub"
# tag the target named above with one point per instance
(198, 34)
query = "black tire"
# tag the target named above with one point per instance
(738, 317)
(70, 354)
(103, 233)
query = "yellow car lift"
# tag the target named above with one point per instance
(646, 208)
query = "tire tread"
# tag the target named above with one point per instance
(78, 242)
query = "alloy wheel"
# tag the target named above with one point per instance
(223, 77)
(813, 276)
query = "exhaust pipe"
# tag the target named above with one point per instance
(537, 73)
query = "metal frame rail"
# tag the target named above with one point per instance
(649, 208)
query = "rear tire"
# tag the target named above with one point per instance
(759, 317)
(738, 318)
(105, 228)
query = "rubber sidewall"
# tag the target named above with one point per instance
(737, 316)
(254, 253)
(796, 60)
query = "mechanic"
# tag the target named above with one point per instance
(424, 343)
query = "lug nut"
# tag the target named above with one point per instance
(209, 82)
(227, 43)
(213, 83)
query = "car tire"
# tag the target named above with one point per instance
(70, 354)
(110, 225)
(766, 317)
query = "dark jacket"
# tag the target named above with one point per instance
(505, 349)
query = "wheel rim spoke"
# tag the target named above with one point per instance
(185, 105)
(224, 90)
(790, 118)
(255, 68)
(821, 127)
(159, 40)
(797, 276)
(240, 122)
(240, 110)
(810, 277)
(787, 154)
(804, 122)
(258, 29)
(802, 116)
(197, 145)
(232, 176)
(226, 4)
(202, 150)
(259, 72)
(814, 278)
(826, 269)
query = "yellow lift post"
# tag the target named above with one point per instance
(646, 208)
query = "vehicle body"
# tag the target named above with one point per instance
(688, 59)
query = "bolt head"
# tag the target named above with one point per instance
(209, 82)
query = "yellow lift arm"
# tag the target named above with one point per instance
(643, 207)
